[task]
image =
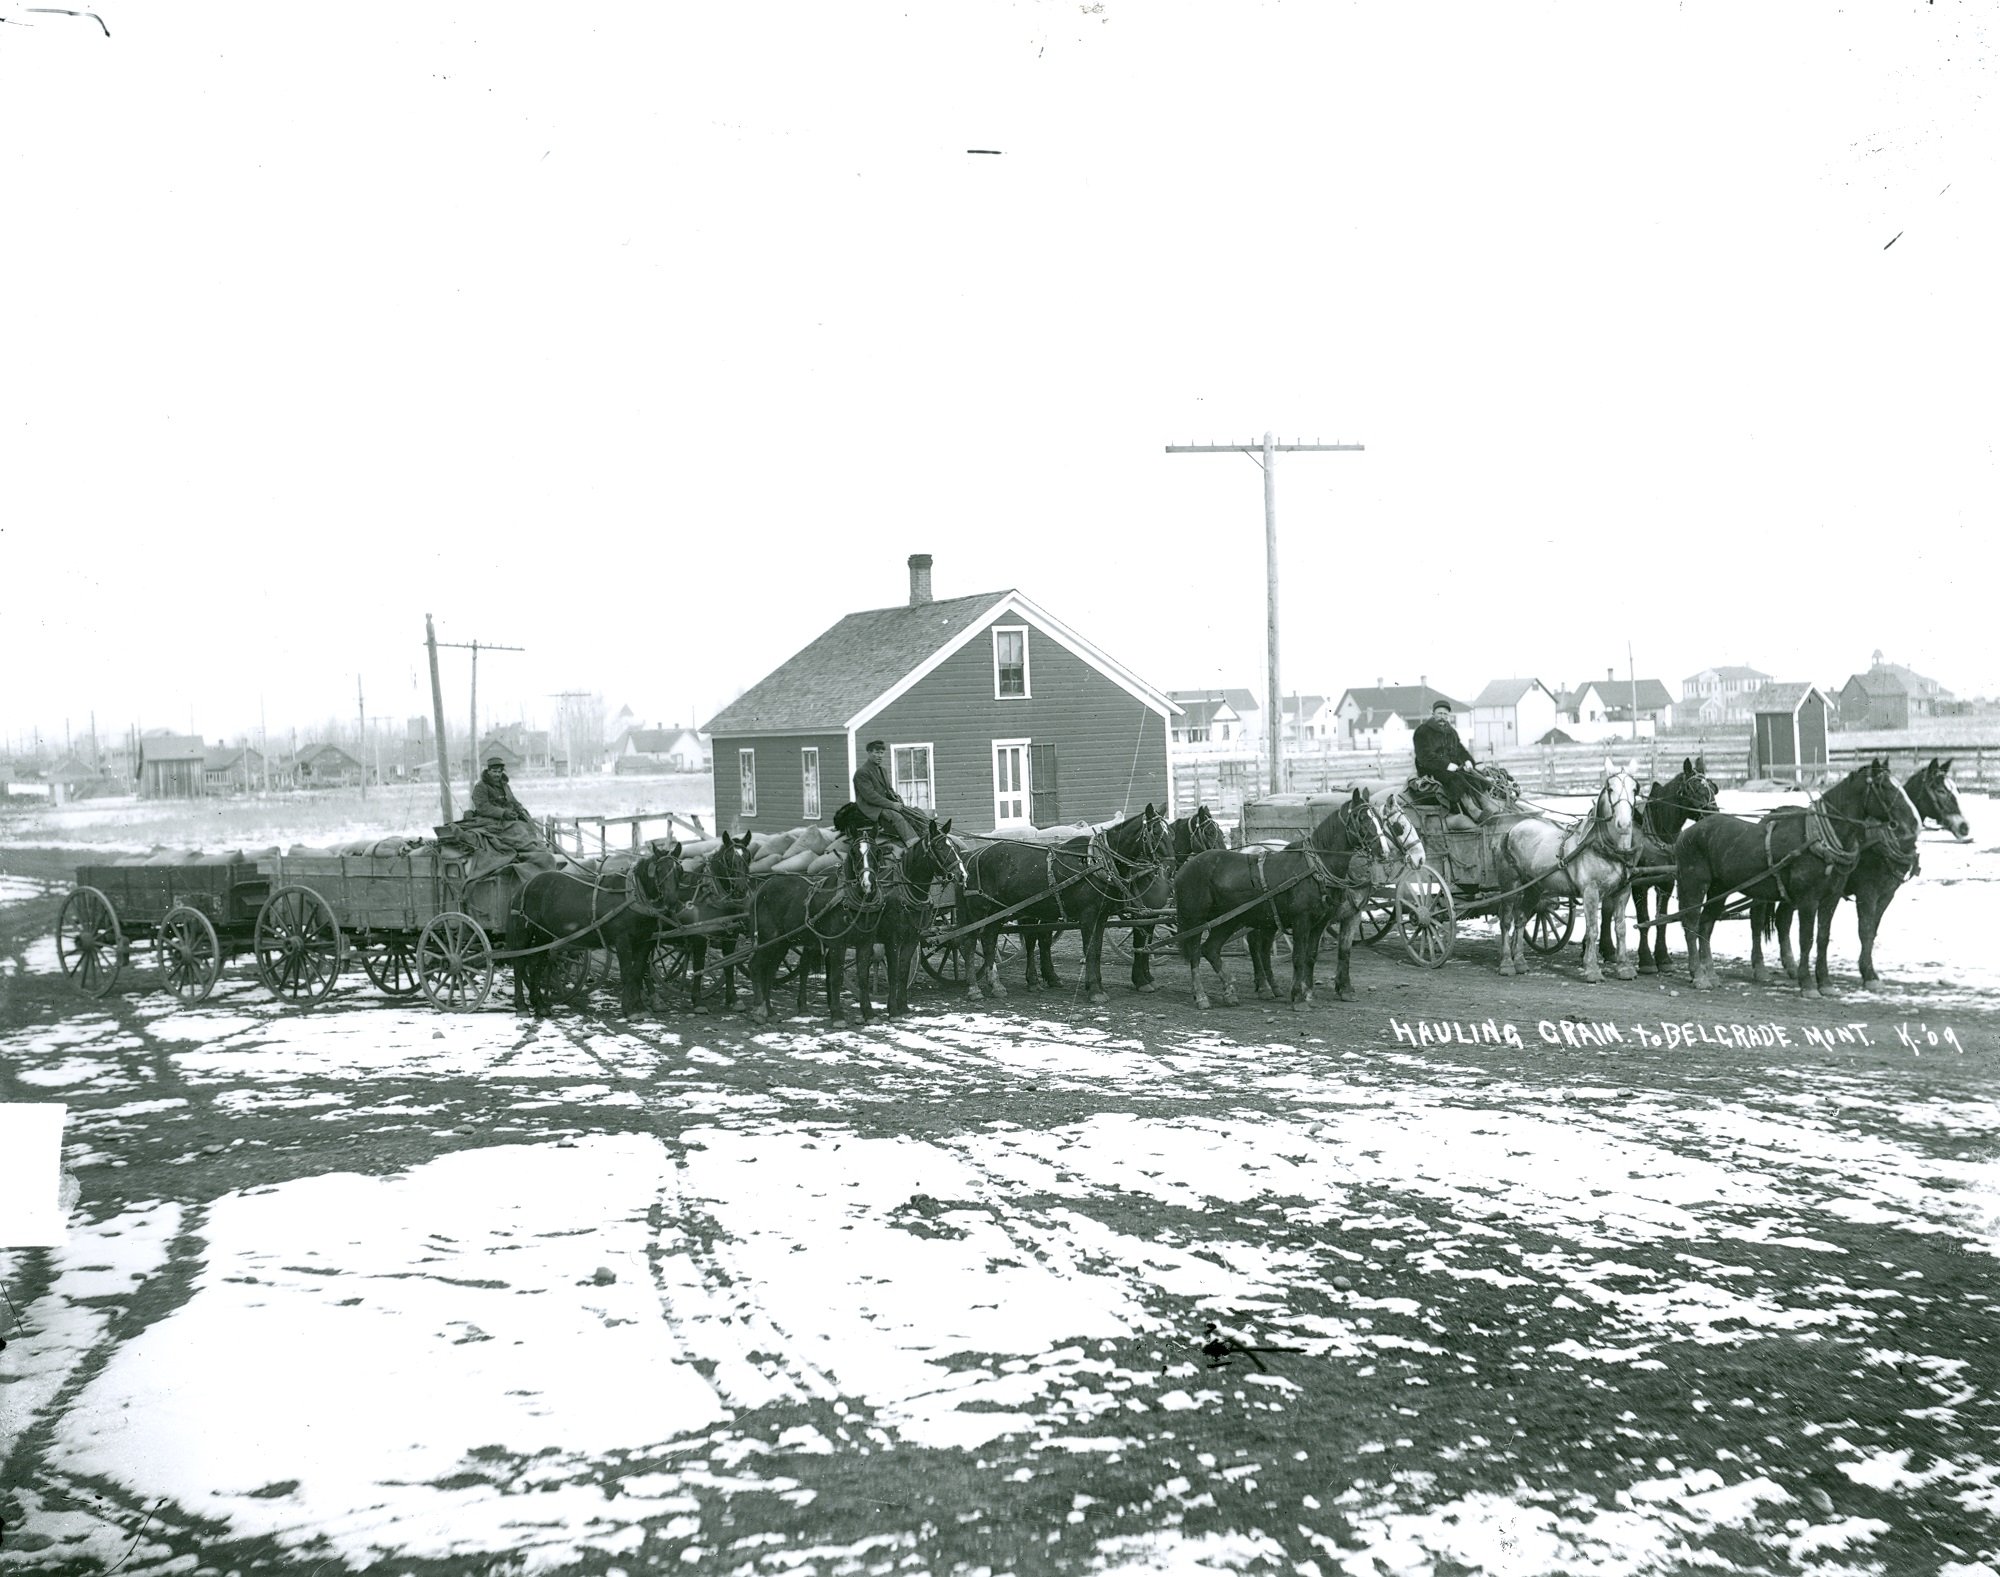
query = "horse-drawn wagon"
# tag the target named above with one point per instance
(197, 911)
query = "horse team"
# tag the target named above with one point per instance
(1858, 839)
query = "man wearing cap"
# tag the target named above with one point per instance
(1442, 755)
(877, 796)
(492, 800)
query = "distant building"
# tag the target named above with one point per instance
(1382, 717)
(1789, 725)
(232, 769)
(1310, 721)
(1209, 721)
(1511, 712)
(671, 749)
(1889, 695)
(1721, 695)
(172, 766)
(326, 766)
(524, 749)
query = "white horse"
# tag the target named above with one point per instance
(1592, 863)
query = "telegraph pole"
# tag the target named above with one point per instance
(361, 741)
(1265, 454)
(472, 744)
(437, 711)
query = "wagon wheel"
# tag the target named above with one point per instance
(1425, 913)
(670, 971)
(455, 963)
(943, 961)
(394, 970)
(572, 973)
(1378, 916)
(89, 944)
(1542, 931)
(298, 946)
(189, 954)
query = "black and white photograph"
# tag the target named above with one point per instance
(688, 696)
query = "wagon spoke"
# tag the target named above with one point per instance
(90, 947)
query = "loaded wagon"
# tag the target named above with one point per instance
(197, 911)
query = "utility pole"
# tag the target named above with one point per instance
(472, 744)
(437, 709)
(1265, 454)
(361, 742)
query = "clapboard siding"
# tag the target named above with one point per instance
(780, 780)
(1111, 748)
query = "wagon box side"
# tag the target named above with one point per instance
(370, 892)
(227, 892)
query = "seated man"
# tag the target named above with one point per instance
(1442, 755)
(878, 798)
(493, 801)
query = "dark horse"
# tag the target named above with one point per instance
(721, 891)
(1666, 808)
(1935, 797)
(1312, 883)
(1192, 835)
(1888, 859)
(824, 918)
(907, 876)
(1801, 857)
(1079, 883)
(621, 910)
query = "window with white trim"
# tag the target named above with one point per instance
(746, 775)
(913, 769)
(809, 780)
(1010, 661)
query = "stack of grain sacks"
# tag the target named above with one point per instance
(803, 851)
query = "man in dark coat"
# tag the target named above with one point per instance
(877, 796)
(493, 801)
(1442, 755)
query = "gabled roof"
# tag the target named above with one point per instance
(1200, 707)
(1302, 705)
(171, 747)
(657, 741)
(1411, 702)
(1781, 698)
(868, 659)
(223, 757)
(1508, 692)
(1242, 700)
(1895, 679)
(1653, 696)
(1730, 671)
(318, 751)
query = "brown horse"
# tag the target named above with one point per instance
(1080, 883)
(824, 918)
(1305, 886)
(620, 911)
(908, 877)
(1803, 857)
(721, 891)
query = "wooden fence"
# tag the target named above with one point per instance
(582, 836)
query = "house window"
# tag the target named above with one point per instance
(746, 773)
(1010, 661)
(911, 766)
(1197, 736)
(1225, 730)
(809, 778)
(1010, 782)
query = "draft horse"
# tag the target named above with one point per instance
(721, 891)
(907, 877)
(825, 918)
(621, 911)
(1935, 797)
(1887, 859)
(1081, 884)
(1193, 834)
(1802, 857)
(1664, 809)
(1305, 886)
(1592, 862)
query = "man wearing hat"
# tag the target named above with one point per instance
(492, 800)
(1442, 755)
(877, 796)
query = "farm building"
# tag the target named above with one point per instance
(1511, 712)
(326, 765)
(1382, 717)
(996, 714)
(1889, 695)
(671, 749)
(172, 766)
(1209, 721)
(232, 769)
(524, 749)
(1788, 732)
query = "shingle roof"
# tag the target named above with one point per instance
(850, 665)
(1242, 700)
(1730, 671)
(223, 757)
(1411, 702)
(1895, 679)
(1302, 705)
(1506, 692)
(1780, 697)
(172, 747)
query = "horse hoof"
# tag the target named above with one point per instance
(1760, 977)
(1099, 998)
(1348, 994)
(1202, 1003)
(1593, 977)
(1147, 989)
(1647, 969)
(1506, 966)
(1627, 972)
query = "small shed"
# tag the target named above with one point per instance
(1788, 732)
(171, 766)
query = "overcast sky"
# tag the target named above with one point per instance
(653, 339)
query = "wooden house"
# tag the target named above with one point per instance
(1511, 712)
(1383, 717)
(1722, 695)
(326, 765)
(232, 769)
(172, 766)
(1788, 732)
(996, 714)
(1889, 695)
(670, 749)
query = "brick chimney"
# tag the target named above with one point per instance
(1608, 676)
(920, 579)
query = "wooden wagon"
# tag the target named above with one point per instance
(197, 912)
(417, 920)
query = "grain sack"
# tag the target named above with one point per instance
(814, 840)
(700, 846)
(825, 864)
(796, 864)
